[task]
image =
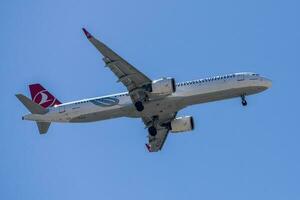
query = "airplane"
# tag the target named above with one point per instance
(156, 102)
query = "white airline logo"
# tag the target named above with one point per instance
(43, 98)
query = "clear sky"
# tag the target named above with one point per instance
(234, 153)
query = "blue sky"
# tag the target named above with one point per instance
(234, 153)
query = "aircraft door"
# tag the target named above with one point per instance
(240, 77)
(61, 109)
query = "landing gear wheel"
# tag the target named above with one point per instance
(139, 106)
(152, 131)
(244, 102)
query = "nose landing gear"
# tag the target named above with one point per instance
(244, 102)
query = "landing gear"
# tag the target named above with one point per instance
(244, 102)
(139, 106)
(152, 131)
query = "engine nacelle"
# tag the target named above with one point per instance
(163, 86)
(182, 124)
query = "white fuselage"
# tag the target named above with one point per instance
(187, 93)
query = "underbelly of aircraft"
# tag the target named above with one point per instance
(102, 115)
(167, 105)
(220, 95)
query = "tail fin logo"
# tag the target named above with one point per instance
(44, 99)
(42, 96)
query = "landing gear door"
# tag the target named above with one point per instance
(240, 77)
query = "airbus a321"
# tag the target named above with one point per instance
(156, 102)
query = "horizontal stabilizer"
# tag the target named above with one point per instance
(43, 127)
(33, 107)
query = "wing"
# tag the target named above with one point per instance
(161, 124)
(126, 73)
(156, 142)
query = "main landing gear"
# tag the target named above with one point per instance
(152, 131)
(244, 102)
(139, 106)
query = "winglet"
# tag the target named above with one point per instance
(148, 147)
(87, 34)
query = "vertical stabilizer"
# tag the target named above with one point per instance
(42, 96)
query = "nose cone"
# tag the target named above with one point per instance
(267, 82)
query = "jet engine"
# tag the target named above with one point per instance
(182, 124)
(163, 86)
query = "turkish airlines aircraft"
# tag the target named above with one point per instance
(155, 102)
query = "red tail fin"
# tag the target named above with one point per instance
(41, 96)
